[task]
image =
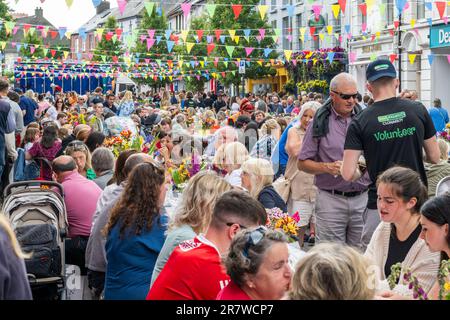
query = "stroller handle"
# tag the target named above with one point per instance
(33, 183)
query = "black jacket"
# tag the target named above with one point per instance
(270, 199)
(320, 122)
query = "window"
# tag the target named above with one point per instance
(298, 24)
(91, 41)
(420, 10)
(274, 24)
(389, 11)
(273, 5)
(77, 45)
(287, 30)
(287, 2)
(83, 44)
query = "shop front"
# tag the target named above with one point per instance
(440, 70)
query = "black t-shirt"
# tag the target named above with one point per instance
(190, 103)
(390, 132)
(219, 104)
(399, 249)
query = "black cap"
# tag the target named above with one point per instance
(379, 69)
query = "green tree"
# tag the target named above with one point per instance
(32, 40)
(158, 51)
(5, 16)
(107, 49)
(249, 18)
(194, 74)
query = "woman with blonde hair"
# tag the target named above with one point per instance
(234, 155)
(193, 215)
(270, 134)
(302, 195)
(332, 271)
(126, 105)
(82, 156)
(257, 177)
(13, 276)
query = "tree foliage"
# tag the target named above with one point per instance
(157, 51)
(32, 40)
(5, 16)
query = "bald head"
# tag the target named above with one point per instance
(134, 160)
(342, 79)
(63, 164)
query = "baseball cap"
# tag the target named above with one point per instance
(379, 69)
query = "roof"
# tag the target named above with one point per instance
(132, 9)
(35, 21)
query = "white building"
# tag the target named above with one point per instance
(417, 42)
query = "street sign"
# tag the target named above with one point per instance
(242, 67)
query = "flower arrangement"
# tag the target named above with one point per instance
(124, 141)
(444, 286)
(313, 86)
(208, 123)
(445, 134)
(75, 119)
(409, 279)
(188, 168)
(279, 220)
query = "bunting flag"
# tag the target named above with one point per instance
(230, 50)
(430, 59)
(448, 58)
(392, 57)
(209, 48)
(248, 51)
(184, 35)
(237, 8)
(288, 54)
(68, 3)
(441, 5)
(149, 6)
(96, 3)
(335, 8)
(412, 58)
(189, 46)
(122, 4)
(211, 8)
(186, 7)
(263, 10)
(170, 45)
(342, 4)
(363, 8)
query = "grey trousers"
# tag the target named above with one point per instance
(371, 219)
(339, 218)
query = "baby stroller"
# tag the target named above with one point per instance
(38, 218)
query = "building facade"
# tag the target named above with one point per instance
(418, 40)
(85, 40)
(39, 22)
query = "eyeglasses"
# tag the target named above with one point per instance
(346, 96)
(254, 238)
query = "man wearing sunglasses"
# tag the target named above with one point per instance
(194, 270)
(339, 203)
(393, 131)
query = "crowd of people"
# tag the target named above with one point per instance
(169, 196)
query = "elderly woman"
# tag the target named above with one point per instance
(332, 271)
(194, 213)
(135, 234)
(222, 136)
(82, 156)
(303, 192)
(103, 165)
(270, 134)
(257, 264)
(436, 172)
(257, 176)
(233, 156)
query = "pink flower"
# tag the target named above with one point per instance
(296, 217)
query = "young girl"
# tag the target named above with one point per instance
(32, 135)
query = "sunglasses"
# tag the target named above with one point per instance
(76, 145)
(346, 96)
(254, 238)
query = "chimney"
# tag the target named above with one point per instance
(39, 12)
(103, 6)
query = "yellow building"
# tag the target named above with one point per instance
(269, 83)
